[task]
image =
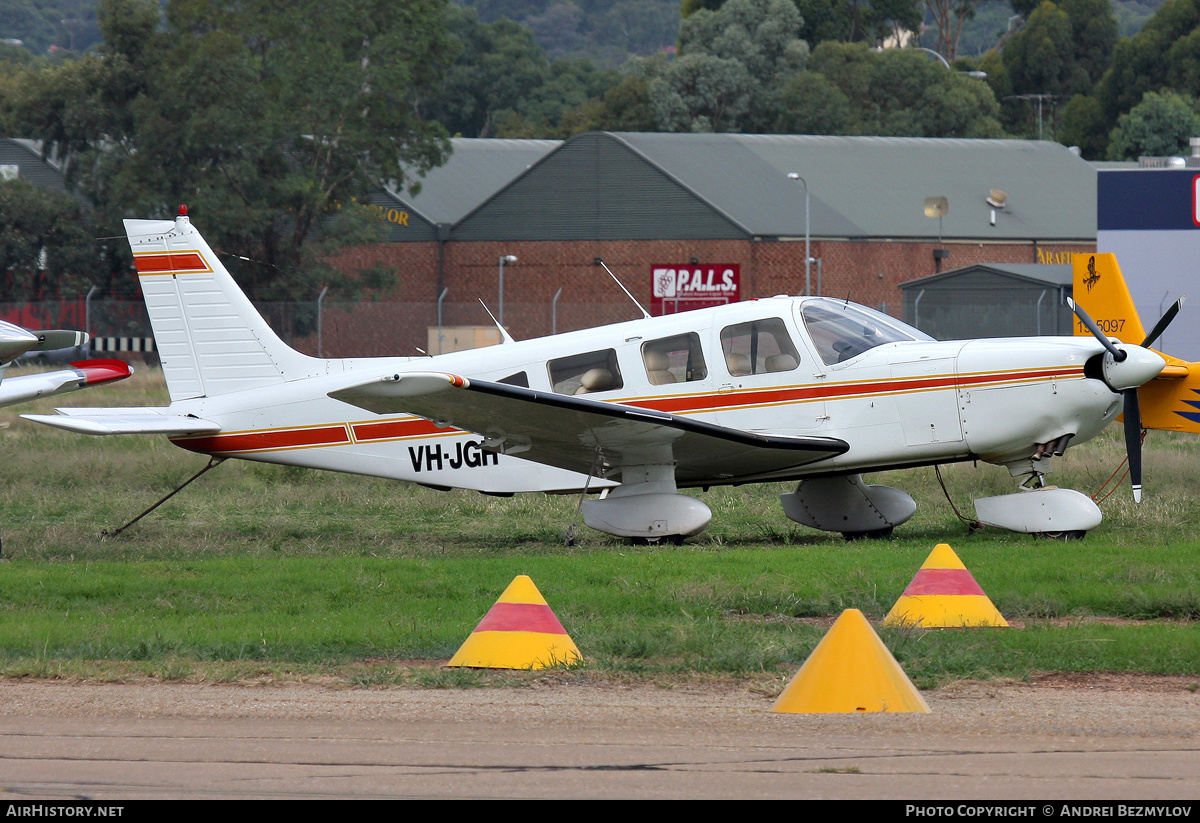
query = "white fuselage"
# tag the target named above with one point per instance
(903, 403)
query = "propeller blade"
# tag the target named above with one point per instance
(1133, 441)
(1116, 353)
(1163, 322)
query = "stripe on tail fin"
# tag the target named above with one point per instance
(210, 338)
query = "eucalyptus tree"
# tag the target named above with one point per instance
(1160, 125)
(851, 89)
(270, 116)
(733, 65)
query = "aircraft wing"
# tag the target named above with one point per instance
(577, 433)
(81, 375)
(102, 421)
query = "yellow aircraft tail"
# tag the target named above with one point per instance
(1171, 401)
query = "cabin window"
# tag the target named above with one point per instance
(675, 359)
(519, 379)
(842, 330)
(758, 347)
(594, 371)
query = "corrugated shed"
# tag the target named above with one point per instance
(633, 186)
(996, 300)
(999, 274)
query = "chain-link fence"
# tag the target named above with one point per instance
(333, 328)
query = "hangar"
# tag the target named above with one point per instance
(709, 204)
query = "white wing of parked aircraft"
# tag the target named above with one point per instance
(16, 341)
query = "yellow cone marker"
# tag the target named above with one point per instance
(850, 671)
(519, 632)
(943, 594)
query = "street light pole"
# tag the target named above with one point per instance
(807, 255)
(978, 75)
(507, 258)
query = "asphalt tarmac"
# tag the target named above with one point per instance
(1115, 741)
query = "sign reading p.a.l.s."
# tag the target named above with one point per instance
(675, 288)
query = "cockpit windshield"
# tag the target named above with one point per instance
(841, 330)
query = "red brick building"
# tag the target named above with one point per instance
(640, 200)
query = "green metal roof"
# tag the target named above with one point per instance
(26, 155)
(1036, 274)
(475, 170)
(875, 187)
(626, 185)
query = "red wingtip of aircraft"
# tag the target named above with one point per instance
(103, 371)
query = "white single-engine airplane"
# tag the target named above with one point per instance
(786, 388)
(16, 341)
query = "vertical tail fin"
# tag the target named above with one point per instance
(210, 338)
(1101, 291)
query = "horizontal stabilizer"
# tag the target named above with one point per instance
(125, 421)
(577, 433)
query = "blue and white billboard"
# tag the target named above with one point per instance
(1150, 219)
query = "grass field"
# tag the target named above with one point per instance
(258, 571)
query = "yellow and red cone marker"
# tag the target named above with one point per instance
(850, 671)
(943, 594)
(519, 632)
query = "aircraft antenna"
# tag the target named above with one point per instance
(503, 333)
(645, 314)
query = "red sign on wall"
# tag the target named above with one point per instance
(694, 286)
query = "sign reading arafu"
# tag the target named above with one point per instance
(680, 288)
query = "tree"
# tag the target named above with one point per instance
(701, 92)
(47, 250)
(1063, 49)
(949, 17)
(1061, 52)
(268, 117)
(896, 92)
(570, 85)
(1158, 126)
(1147, 61)
(850, 21)
(503, 85)
(42, 25)
(733, 65)
(1083, 126)
(623, 107)
(813, 104)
